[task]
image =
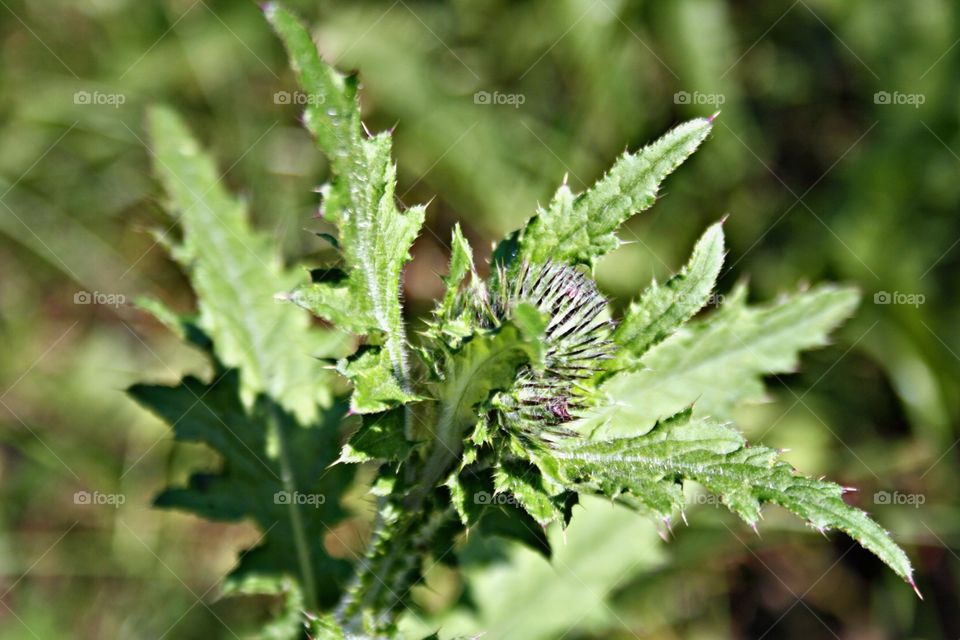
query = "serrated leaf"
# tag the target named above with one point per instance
(375, 237)
(326, 627)
(274, 472)
(486, 363)
(380, 437)
(375, 388)
(522, 482)
(719, 361)
(184, 327)
(581, 228)
(512, 523)
(478, 504)
(235, 273)
(661, 310)
(461, 265)
(716, 456)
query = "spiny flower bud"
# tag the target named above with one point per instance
(576, 341)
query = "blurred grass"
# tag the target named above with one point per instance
(821, 182)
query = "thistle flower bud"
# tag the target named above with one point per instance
(576, 341)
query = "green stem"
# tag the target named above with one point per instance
(302, 546)
(404, 524)
(389, 570)
(408, 519)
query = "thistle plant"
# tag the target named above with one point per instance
(520, 394)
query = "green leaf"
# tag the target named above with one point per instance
(461, 265)
(479, 504)
(289, 621)
(486, 363)
(520, 594)
(581, 228)
(380, 437)
(235, 272)
(662, 310)
(375, 389)
(375, 237)
(184, 327)
(718, 362)
(274, 472)
(514, 524)
(326, 627)
(524, 484)
(645, 470)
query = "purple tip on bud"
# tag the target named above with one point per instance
(753, 525)
(848, 489)
(713, 117)
(915, 590)
(724, 218)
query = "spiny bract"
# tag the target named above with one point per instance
(576, 340)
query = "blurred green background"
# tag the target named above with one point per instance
(836, 156)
